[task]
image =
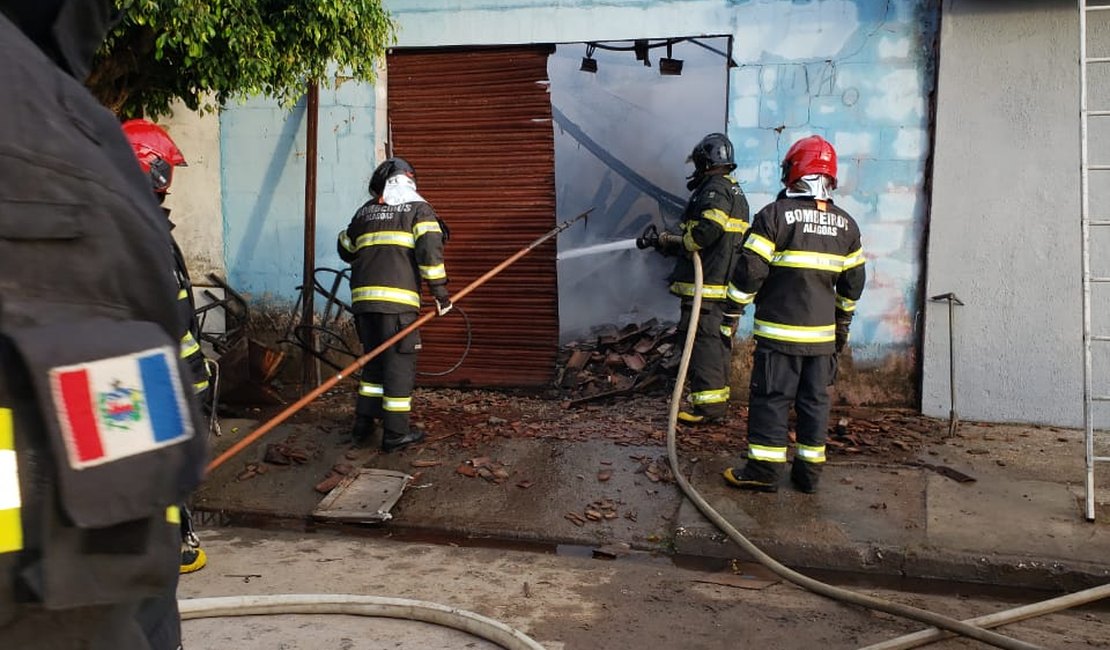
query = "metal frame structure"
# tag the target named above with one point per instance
(1085, 167)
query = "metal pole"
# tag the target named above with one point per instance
(953, 416)
(310, 375)
(364, 359)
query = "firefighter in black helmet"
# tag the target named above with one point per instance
(713, 224)
(803, 266)
(394, 241)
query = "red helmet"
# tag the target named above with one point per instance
(812, 155)
(156, 151)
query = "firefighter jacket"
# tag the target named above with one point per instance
(191, 353)
(98, 430)
(803, 265)
(713, 224)
(390, 249)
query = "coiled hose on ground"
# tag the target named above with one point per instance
(403, 608)
(786, 573)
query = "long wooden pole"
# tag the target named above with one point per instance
(364, 359)
(309, 368)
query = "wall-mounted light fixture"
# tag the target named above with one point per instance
(589, 63)
(641, 49)
(670, 67)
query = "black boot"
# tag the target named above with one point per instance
(805, 476)
(364, 430)
(392, 441)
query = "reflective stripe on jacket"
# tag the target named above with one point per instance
(713, 224)
(391, 248)
(801, 263)
(11, 523)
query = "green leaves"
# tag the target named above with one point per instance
(206, 52)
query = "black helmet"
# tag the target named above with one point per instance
(389, 168)
(714, 150)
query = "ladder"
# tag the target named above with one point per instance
(1085, 167)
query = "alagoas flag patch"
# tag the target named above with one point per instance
(121, 406)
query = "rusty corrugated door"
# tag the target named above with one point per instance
(476, 125)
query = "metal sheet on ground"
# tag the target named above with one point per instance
(366, 496)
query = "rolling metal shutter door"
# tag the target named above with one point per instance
(476, 125)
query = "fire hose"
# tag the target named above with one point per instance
(941, 623)
(349, 604)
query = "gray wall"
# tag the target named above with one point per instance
(1004, 232)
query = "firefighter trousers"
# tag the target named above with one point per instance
(710, 359)
(385, 391)
(778, 382)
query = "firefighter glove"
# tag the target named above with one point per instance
(669, 242)
(443, 300)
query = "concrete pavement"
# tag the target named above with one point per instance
(1019, 523)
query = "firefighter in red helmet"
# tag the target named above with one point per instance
(158, 155)
(803, 266)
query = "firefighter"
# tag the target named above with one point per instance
(158, 155)
(99, 433)
(803, 266)
(394, 241)
(713, 224)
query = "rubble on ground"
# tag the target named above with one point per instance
(615, 362)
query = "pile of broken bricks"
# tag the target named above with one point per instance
(617, 361)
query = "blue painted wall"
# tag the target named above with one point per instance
(263, 176)
(858, 72)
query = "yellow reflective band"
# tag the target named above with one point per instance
(809, 260)
(189, 345)
(854, 259)
(437, 272)
(397, 404)
(811, 454)
(200, 386)
(769, 454)
(726, 331)
(371, 390)
(710, 396)
(718, 217)
(795, 333)
(386, 238)
(173, 515)
(182, 294)
(345, 242)
(425, 227)
(721, 218)
(688, 241)
(738, 296)
(843, 304)
(708, 291)
(386, 294)
(11, 524)
(761, 246)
